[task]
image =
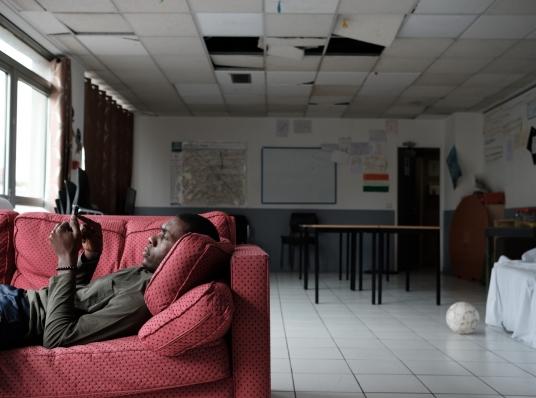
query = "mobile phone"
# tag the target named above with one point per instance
(76, 211)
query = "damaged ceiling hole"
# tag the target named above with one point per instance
(247, 45)
(350, 47)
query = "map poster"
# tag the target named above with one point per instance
(208, 173)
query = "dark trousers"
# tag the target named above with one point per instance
(14, 317)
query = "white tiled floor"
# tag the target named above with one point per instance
(345, 347)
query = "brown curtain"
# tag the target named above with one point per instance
(61, 122)
(108, 144)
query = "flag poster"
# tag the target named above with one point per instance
(375, 182)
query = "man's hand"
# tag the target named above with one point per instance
(91, 233)
(65, 239)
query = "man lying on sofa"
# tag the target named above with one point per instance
(72, 310)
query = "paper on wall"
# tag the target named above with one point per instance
(377, 136)
(339, 157)
(360, 148)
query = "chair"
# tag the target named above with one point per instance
(294, 238)
(130, 201)
(68, 198)
(242, 228)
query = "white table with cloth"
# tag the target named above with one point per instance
(511, 299)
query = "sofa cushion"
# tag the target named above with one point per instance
(141, 228)
(35, 259)
(199, 317)
(108, 368)
(7, 249)
(194, 259)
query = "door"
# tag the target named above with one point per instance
(418, 204)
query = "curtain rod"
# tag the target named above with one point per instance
(25, 38)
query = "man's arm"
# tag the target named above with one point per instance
(123, 315)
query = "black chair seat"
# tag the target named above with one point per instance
(295, 239)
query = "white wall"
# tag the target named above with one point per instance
(152, 149)
(464, 130)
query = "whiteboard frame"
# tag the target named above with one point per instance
(263, 201)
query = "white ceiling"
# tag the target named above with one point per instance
(440, 56)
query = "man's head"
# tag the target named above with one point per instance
(159, 245)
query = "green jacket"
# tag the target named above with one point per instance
(71, 310)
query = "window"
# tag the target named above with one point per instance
(23, 124)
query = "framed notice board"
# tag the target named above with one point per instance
(298, 175)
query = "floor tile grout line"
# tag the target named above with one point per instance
(286, 338)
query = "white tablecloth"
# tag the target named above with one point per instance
(512, 299)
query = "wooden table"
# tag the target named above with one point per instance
(378, 233)
(503, 232)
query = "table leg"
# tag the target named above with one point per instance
(438, 282)
(347, 255)
(373, 268)
(306, 261)
(489, 260)
(406, 266)
(352, 265)
(317, 266)
(360, 261)
(380, 266)
(340, 255)
(300, 264)
(387, 256)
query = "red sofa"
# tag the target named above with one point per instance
(237, 365)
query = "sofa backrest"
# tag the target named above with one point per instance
(35, 259)
(124, 238)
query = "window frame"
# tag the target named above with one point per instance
(17, 72)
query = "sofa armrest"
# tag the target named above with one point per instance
(251, 322)
(7, 248)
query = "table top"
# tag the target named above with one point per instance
(511, 232)
(378, 227)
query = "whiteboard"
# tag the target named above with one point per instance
(298, 175)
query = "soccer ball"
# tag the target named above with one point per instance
(462, 318)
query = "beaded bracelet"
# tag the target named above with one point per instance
(66, 269)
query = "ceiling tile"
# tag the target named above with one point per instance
(158, 6)
(91, 62)
(227, 6)
(508, 65)
(113, 45)
(204, 108)
(330, 100)
(162, 24)
(203, 99)
(27, 5)
(45, 22)
(452, 6)
(420, 48)
(348, 64)
(230, 24)
(457, 102)
(427, 91)
(288, 100)
(192, 90)
(298, 25)
(78, 6)
(257, 85)
(396, 64)
(191, 75)
(177, 62)
(308, 63)
(95, 23)
(274, 78)
(387, 83)
(286, 110)
(341, 78)
(492, 80)
(522, 50)
(435, 25)
(247, 110)
(438, 79)
(513, 7)
(334, 90)
(325, 110)
(290, 90)
(377, 29)
(121, 62)
(376, 6)
(71, 44)
(405, 110)
(174, 45)
(238, 61)
(458, 65)
(472, 48)
(244, 99)
(501, 27)
(300, 6)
